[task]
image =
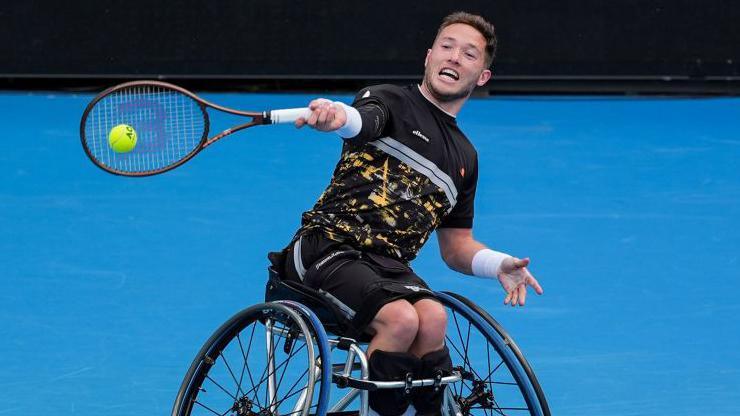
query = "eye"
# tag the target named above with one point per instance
(471, 55)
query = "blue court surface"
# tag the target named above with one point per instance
(628, 207)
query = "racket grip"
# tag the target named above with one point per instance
(288, 115)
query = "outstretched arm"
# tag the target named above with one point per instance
(464, 254)
(365, 122)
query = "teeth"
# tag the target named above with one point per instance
(450, 73)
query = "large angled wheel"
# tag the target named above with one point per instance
(266, 360)
(497, 379)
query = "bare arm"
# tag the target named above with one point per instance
(458, 248)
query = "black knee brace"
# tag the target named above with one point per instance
(428, 400)
(391, 366)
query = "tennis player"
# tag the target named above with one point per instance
(406, 170)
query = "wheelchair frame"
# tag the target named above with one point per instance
(294, 313)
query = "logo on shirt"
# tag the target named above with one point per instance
(366, 94)
(418, 134)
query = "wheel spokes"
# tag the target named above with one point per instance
(487, 386)
(241, 390)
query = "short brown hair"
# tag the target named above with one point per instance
(478, 23)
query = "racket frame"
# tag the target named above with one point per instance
(257, 118)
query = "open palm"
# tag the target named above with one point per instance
(514, 278)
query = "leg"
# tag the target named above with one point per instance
(432, 325)
(429, 345)
(395, 326)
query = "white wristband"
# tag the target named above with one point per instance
(487, 263)
(353, 125)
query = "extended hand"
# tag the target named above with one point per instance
(325, 116)
(515, 278)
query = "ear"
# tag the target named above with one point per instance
(484, 77)
(426, 59)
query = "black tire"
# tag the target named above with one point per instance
(497, 379)
(230, 373)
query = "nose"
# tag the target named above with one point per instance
(455, 55)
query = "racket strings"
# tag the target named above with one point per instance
(169, 126)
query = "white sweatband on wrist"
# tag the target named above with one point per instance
(353, 125)
(487, 263)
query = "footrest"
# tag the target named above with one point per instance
(408, 383)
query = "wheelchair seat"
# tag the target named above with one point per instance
(331, 317)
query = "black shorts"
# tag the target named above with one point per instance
(357, 283)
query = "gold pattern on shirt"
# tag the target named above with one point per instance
(382, 199)
(380, 203)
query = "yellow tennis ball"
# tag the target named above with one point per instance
(122, 138)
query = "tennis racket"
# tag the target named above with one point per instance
(171, 126)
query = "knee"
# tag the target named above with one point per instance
(432, 321)
(398, 319)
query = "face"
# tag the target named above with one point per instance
(456, 63)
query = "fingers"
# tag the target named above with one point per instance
(315, 106)
(514, 296)
(522, 294)
(324, 116)
(517, 296)
(520, 276)
(318, 103)
(535, 285)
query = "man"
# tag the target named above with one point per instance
(406, 169)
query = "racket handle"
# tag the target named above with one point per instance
(288, 115)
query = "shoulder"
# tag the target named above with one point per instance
(463, 143)
(468, 145)
(468, 152)
(471, 152)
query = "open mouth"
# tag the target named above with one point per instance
(449, 73)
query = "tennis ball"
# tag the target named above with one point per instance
(122, 138)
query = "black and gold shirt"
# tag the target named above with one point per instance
(388, 193)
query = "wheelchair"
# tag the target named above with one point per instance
(285, 356)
